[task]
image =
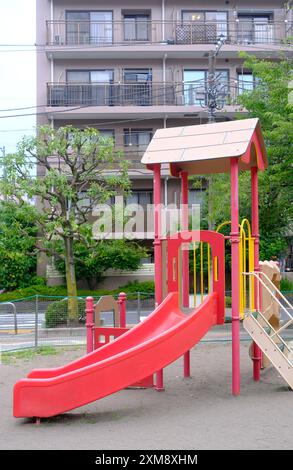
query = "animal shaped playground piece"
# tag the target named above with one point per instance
(177, 323)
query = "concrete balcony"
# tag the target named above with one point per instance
(84, 39)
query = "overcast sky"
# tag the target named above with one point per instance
(18, 69)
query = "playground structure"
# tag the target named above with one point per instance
(175, 326)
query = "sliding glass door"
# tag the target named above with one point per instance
(90, 87)
(255, 29)
(101, 27)
(89, 27)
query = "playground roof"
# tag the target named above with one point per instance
(207, 148)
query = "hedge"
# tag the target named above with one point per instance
(147, 287)
(57, 313)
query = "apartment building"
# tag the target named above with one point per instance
(128, 68)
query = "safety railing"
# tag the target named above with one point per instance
(149, 93)
(68, 34)
(246, 260)
(8, 326)
(273, 331)
(275, 296)
(42, 320)
(114, 94)
(197, 255)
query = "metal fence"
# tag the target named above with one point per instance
(63, 34)
(43, 320)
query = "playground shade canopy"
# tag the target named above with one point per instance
(207, 148)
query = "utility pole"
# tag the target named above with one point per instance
(212, 88)
(3, 150)
(3, 158)
(212, 106)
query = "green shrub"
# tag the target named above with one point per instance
(228, 301)
(57, 313)
(135, 286)
(60, 291)
(286, 285)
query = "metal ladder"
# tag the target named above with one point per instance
(279, 351)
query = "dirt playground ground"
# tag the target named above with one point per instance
(195, 413)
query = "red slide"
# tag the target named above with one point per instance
(160, 339)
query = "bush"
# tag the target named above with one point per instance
(286, 285)
(57, 313)
(42, 290)
(228, 301)
(135, 286)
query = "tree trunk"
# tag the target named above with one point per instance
(71, 282)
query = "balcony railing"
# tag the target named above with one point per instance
(105, 33)
(141, 94)
(112, 94)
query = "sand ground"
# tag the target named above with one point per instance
(195, 413)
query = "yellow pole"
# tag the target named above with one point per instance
(240, 273)
(209, 268)
(194, 273)
(201, 271)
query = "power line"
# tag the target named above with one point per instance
(41, 48)
(163, 88)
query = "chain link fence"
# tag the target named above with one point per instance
(43, 320)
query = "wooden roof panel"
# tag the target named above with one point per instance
(193, 145)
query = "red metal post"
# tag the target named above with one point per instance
(235, 276)
(89, 311)
(122, 309)
(185, 258)
(256, 351)
(158, 254)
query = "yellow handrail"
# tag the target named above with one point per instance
(194, 273)
(246, 250)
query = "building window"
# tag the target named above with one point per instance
(137, 138)
(90, 87)
(195, 86)
(137, 75)
(137, 87)
(255, 28)
(90, 76)
(211, 24)
(136, 27)
(195, 196)
(143, 198)
(89, 27)
(246, 82)
(107, 133)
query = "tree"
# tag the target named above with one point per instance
(76, 171)
(18, 231)
(91, 263)
(269, 101)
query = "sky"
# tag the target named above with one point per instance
(17, 70)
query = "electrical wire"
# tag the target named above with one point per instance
(133, 96)
(43, 48)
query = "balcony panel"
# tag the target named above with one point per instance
(146, 100)
(98, 35)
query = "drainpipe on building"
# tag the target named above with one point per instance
(163, 20)
(51, 20)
